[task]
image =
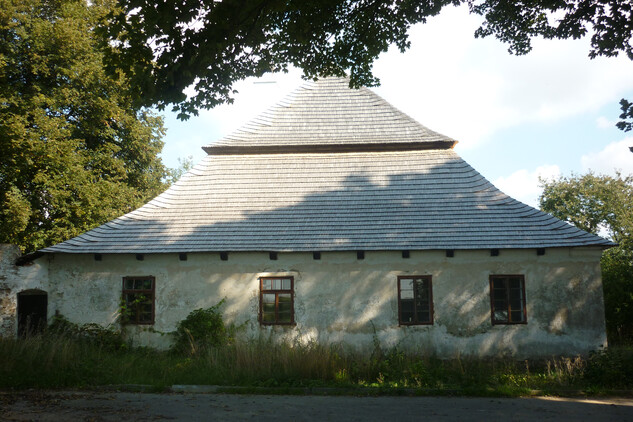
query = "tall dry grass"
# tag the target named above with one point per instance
(57, 361)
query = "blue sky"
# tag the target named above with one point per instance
(549, 113)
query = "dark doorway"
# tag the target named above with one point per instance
(32, 311)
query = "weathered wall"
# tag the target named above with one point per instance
(15, 279)
(342, 299)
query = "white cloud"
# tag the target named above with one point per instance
(455, 84)
(254, 97)
(186, 138)
(615, 156)
(470, 88)
(523, 185)
(604, 123)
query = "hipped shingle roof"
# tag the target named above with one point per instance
(330, 114)
(335, 169)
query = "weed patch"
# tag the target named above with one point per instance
(207, 352)
(72, 361)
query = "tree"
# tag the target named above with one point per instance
(184, 165)
(75, 150)
(167, 46)
(609, 22)
(593, 203)
(602, 204)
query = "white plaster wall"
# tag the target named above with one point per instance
(342, 299)
(15, 279)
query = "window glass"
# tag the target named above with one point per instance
(277, 305)
(415, 303)
(507, 299)
(406, 294)
(138, 299)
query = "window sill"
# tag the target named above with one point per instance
(278, 324)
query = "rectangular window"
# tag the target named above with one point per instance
(138, 300)
(507, 299)
(415, 300)
(276, 300)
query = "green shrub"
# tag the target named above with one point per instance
(617, 281)
(107, 337)
(611, 368)
(201, 330)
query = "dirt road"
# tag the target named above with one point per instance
(97, 407)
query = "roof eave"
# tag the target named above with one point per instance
(328, 148)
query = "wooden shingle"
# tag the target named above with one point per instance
(330, 169)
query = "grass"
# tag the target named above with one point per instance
(62, 361)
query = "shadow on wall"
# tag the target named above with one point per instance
(398, 212)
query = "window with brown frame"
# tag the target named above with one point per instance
(138, 300)
(507, 299)
(276, 300)
(415, 300)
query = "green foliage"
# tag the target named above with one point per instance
(201, 330)
(626, 124)
(517, 23)
(184, 165)
(75, 149)
(617, 279)
(77, 358)
(602, 203)
(72, 355)
(128, 309)
(611, 368)
(211, 45)
(593, 202)
(94, 334)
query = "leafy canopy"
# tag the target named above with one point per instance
(593, 203)
(75, 149)
(166, 46)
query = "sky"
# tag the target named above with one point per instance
(550, 113)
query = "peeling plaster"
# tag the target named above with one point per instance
(342, 299)
(15, 279)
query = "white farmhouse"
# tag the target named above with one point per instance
(333, 217)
